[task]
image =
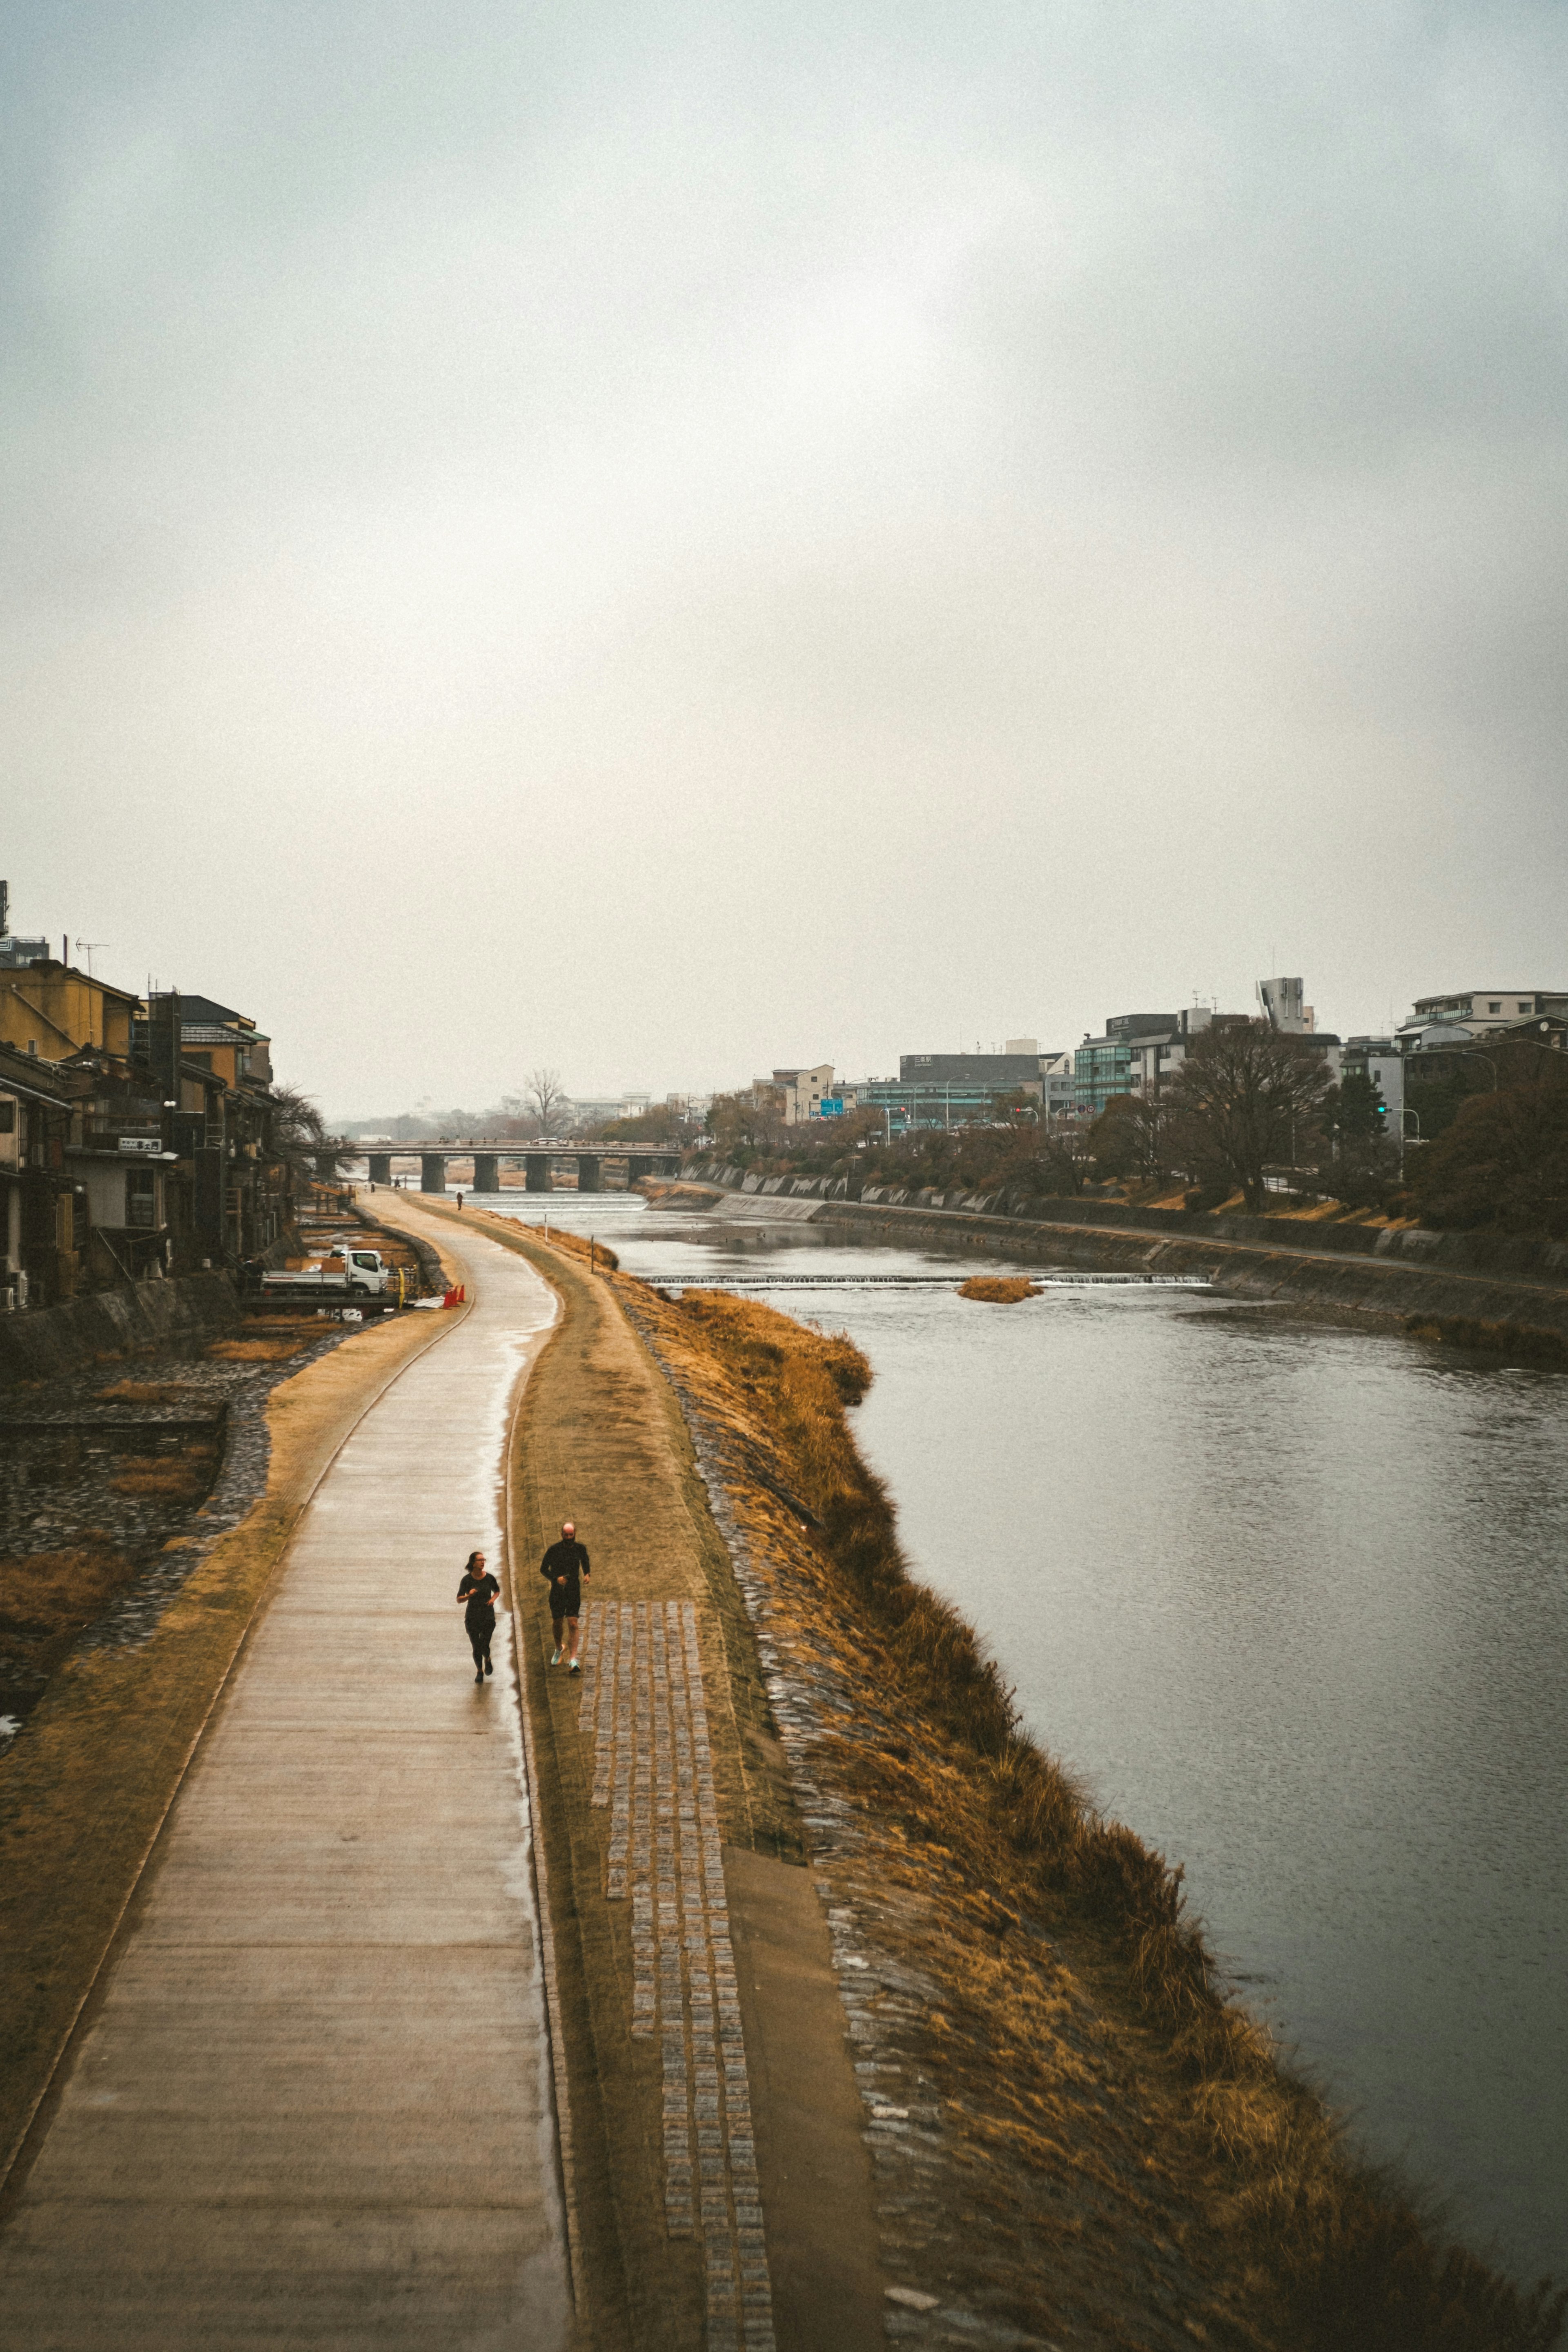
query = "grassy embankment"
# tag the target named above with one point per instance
(1175, 2114)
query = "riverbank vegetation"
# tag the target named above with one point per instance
(1178, 2094)
(1503, 1164)
(1252, 1117)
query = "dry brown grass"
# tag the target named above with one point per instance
(1333, 2257)
(45, 1600)
(999, 1289)
(585, 1246)
(176, 1478)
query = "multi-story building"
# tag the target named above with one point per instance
(148, 1127)
(1140, 1053)
(936, 1090)
(1282, 1005)
(797, 1093)
(39, 1215)
(1135, 1055)
(229, 1044)
(1475, 1013)
(51, 1010)
(1380, 1060)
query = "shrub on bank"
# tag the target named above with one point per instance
(999, 1289)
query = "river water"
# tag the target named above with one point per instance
(1292, 1601)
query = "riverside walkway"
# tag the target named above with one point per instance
(311, 2102)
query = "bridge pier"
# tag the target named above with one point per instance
(381, 1167)
(432, 1172)
(588, 1177)
(486, 1171)
(536, 1172)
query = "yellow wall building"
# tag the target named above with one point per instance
(51, 1011)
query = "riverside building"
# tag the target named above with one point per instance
(940, 1091)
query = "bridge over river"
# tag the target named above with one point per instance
(538, 1162)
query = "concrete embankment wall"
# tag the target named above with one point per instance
(52, 1343)
(1392, 1286)
(1364, 1269)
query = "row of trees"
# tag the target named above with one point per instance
(1247, 1102)
(1247, 1098)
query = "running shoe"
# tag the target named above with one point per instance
(575, 1667)
(555, 1657)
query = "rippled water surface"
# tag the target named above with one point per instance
(1291, 1600)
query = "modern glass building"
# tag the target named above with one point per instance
(936, 1090)
(1102, 1066)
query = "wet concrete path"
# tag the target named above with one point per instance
(311, 2104)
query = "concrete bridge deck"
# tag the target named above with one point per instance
(538, 1159)
(312, 2103)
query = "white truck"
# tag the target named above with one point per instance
(346, 1272)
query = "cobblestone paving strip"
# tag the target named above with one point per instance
(643, 1707)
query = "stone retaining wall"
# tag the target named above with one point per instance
(51, 1342)
(1505, 1256)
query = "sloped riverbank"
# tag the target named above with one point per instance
(1077, 2135)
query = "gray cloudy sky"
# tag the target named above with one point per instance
(661, 539)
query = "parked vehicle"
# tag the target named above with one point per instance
(349, 1272)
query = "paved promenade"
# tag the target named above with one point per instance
(311, 2103)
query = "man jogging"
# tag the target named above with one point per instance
(478, 1592)
(564, 1569)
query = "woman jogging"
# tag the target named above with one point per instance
(478, 1590)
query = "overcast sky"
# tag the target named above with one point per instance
(661, 540)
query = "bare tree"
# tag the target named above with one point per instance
(1248, 1096)
(298, 1133)
(547, 1101)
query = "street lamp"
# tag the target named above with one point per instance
(1542, 1044)
(1405, 1111)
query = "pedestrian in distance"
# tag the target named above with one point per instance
(459, 1200)
(565, 1568)
(478, 1593)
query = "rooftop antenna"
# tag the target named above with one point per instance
(89, 945)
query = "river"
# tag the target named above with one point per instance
(1290, 1600)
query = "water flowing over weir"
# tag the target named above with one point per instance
(1289, 1597)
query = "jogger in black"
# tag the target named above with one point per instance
(478, 1590)
(563, 1567)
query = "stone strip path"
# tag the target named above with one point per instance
(312, 2103)
(643, 1706)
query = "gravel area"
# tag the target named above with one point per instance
(66, 1449)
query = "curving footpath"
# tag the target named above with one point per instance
(310, 2102)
